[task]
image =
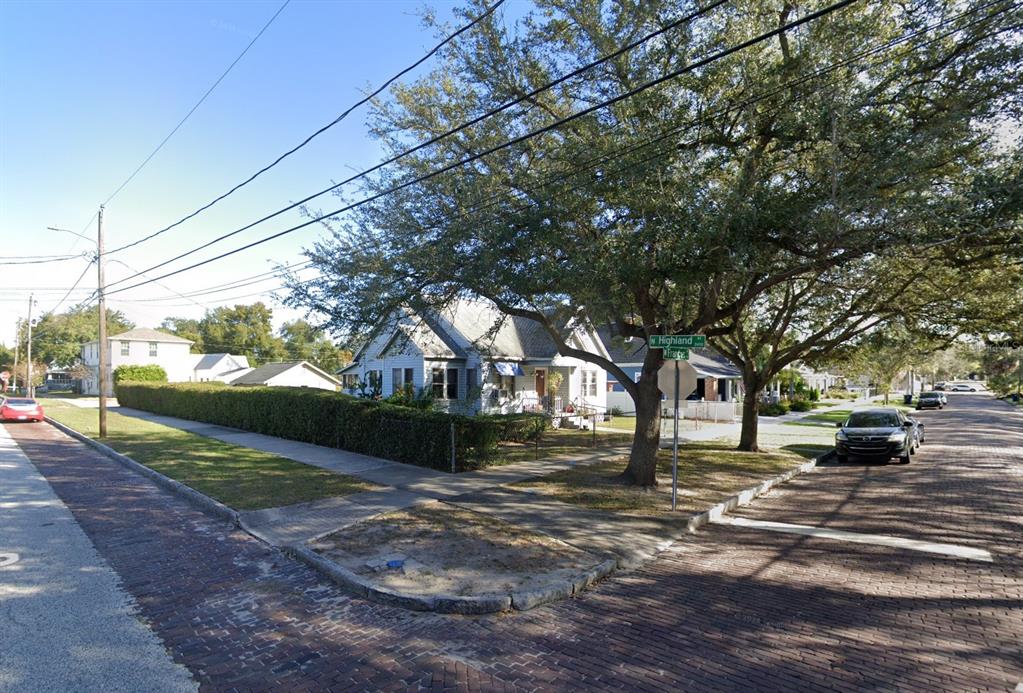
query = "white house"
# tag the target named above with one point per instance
(218, 367)
(139, 347)
(717, 379)
(288, 374)
(472, 358)
(143, 347)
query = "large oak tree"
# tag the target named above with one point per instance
(676, 209)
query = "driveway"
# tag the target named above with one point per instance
(734, 607)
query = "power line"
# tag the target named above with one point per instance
(56, 258)
(73, 287)
(521, 138)
(442, 136)
(196, 106)
(323, 129)
(591, 163)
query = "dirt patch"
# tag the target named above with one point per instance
(438, 548)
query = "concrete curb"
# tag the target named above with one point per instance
(199, 500)
(530, 599)
(449, 603)
(746, 496)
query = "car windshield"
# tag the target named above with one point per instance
(20, 402)
(929, 394)
(872, 419)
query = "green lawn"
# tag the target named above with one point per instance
(708, 472)
(242, 478)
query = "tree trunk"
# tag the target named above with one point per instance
(642, 469)
(750, 418)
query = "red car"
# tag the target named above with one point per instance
(20, 409)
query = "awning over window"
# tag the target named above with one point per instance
(509, 369)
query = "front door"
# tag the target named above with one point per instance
(541, 383)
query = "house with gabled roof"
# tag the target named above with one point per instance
(472, 358)
(221, 368)
(144, 346)
(288, 374)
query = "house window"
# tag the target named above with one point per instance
(470, 381)
(589, 384)
(124, 348)
(402, 379)
(375, 380)
(445, 383)
(152, 349)
(452, 383)
(350, 381)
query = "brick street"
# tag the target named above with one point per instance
(730, 608)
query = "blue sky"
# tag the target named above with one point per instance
(90, 88)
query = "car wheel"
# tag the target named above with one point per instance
(905, 458)
(842, 459)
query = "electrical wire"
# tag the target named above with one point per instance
(719, 55)
(73, 287)
(492, 112)
(57, 258)
(789, 85)
(490, 10)
(196, 106)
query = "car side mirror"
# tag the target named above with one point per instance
(907, 424)
(839, 424)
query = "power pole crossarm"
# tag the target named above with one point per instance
(100, 286)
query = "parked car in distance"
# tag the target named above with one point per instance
(20, 409)
(963, 387)
(939, 386)
(929, 400)
(882, 432)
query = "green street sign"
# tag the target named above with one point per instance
(688, 341)
(676, 354)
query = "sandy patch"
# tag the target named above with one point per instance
(437, 548)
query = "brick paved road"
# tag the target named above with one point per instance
(732, 608)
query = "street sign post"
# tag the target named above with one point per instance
(675, 354)
(676, 380)
(689, 341)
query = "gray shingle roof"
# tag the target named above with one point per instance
(706, 362)
(146, 334)
(268, 371)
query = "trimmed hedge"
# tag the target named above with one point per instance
(800, 405)
(320, 417)
(151, 373)
(772, 408)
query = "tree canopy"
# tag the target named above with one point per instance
(693, 193)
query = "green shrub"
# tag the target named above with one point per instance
(800, 405)
(772, 408)
(400, 433)
(139, 374)
(617, 411)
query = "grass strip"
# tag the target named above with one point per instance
(708, 473)
(239, 477)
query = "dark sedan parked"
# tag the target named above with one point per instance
(878, 433)
(929, 400)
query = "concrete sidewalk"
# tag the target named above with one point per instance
(65, 622)
(404, 485)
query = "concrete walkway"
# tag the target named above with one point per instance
(403, 485)
(65, 622)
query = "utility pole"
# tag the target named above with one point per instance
(17, 346)
(102, 327)
(28, 357)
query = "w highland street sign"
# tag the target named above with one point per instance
(683, 341)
